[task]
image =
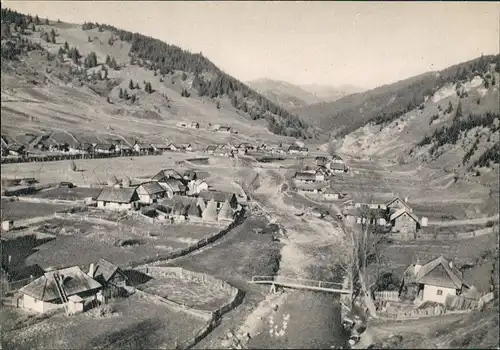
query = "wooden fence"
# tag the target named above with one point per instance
(387, 295)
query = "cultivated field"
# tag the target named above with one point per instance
(134, 322)
(17, 210)
(191, 293)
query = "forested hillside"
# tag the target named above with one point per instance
(386, 103)
(200, 77)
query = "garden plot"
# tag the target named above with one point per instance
(69, 194)
(83, 242)
(134, 322)
(187, 291)
(18, 210)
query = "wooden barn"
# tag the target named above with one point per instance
(111, 277)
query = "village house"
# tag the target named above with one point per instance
(405, 222)
(223, 151)
(224, 129)
(433, 281)
(313, 188)
(69, 287)
(160, 147)
(194, 125)
(294, 149)
(111, 277)
(187, 147)
(330, 193)
(150, 192)
(182, 124)
(124, 150)
(143, 148)
(219, 197)
(336, 167)
(397, 203)
(45, 143)
(104, 148)
(211, 149)
(118, 198)
(196, 186)
(173, 187)
(304, 177)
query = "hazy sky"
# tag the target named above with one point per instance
(364, 44)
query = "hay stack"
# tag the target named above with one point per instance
(210, 212)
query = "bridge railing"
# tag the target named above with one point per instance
(297, 281)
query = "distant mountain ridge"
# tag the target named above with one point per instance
(293, 96)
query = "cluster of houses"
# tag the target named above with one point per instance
(170, 196)
(55, 143)
(70, 288)
(396, 214)
(229, 150)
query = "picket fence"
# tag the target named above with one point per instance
(387, 295)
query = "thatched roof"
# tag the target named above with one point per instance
(152, 187)
(174, 184)
(304, 176)
(118, 195)
(105, 270)
(210, 212)
(438, 272)
(226, 212)
(74, 281)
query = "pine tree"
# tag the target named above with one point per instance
(108, 100)
(458, 113)
(137, 86)
(46, 21)
(108, 59)
(133, 98)
(493, 81)
(66, 46)
(61, 51)
(125, 94)
(120, 95)
(33, 28)
(37, 20)
(131, 85)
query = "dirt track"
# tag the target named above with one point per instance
(477, 221)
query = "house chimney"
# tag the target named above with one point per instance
(91, 270)
(406, 199)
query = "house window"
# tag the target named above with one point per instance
(439, 292)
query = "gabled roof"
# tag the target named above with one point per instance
(439, 273)
(294, 148)
(105, 270)
(167, 173)
(395, 199)
(224, 128)
(321, 158)
(218, 196)
(304, 176)
(401, 211)
(74, 281)
(160, 145)
(152, 187)
(330, 190)
(212, 147)
(336, 157)
(15, 147)
(170, 202)
(174, 184)
(117, 194)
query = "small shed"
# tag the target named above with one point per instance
(150, 192)
(111, 277)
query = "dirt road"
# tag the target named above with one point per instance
(304, 319)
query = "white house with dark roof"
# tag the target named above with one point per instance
(304, 177)
(78, 288)
(433, 281)
(330, 193)
(173, 186)
(404, 221)
(150, 192)
(118, 198)
(166, 174)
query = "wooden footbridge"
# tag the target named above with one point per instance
(298, 283)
